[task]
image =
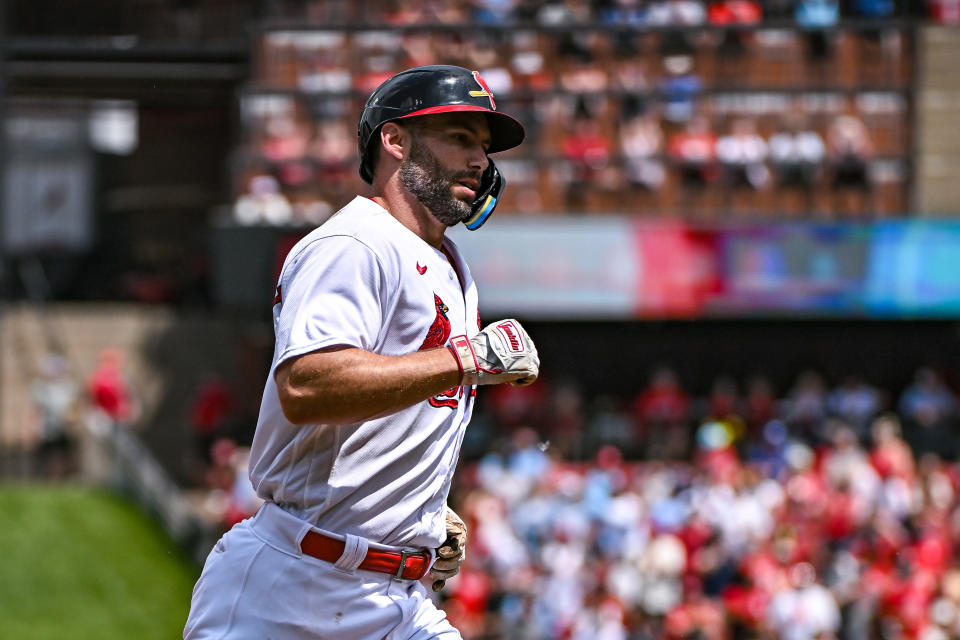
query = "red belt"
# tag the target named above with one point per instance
(402, 565)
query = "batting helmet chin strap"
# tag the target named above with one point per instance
(491, 186)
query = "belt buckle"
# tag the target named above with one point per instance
(404, 554)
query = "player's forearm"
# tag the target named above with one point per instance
(350, 385)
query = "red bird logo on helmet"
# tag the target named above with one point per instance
(439, 331)
(485, 90)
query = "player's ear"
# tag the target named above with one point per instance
(395, 139)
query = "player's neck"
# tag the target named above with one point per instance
(405, 207)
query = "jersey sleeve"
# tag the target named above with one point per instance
(330, 293)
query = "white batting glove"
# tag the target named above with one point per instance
(501, 352)
(452, 553)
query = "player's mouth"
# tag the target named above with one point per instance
(470, 186)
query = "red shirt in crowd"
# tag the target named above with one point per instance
(109, 391)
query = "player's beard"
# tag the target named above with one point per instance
(423, 175)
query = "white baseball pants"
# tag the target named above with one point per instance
(256, 584)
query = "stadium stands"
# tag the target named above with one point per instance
(606, 66)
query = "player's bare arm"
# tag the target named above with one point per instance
(346, 384)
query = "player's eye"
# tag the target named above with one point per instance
(466, 138)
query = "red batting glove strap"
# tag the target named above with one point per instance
(456, 356)
(466, 358)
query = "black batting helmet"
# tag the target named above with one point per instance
(427, 90)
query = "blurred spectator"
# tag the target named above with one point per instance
(929, 409)
(263, 203)
(759, 404)
(724, 399)
(377, 67)
(109, 391)
(333, 150)
(419, 49)
(231, 497)
(927, 400)
(876, 9)
(641, 140)
(696, 617)
(493, 11)
(334, 144)
(588, 151)
(849, 149)
(631, 76)
(565, 418)
(742, 154)
(679, 88)
(853, 482)
(805, 610)
(734, 42)
(677, 49)
(797, 153)
(806, 406)
(553, 13)
(676, 12)
(817, 17)
(623, 12)
(323, 66)
(442, 12)
(56, 399)
(578, 71)
(891, 455)
(857, 403)
(661, 412)
(693, 154)
(880, 47)
(733, 12)
(527, 65)
(611, 425)
(512, 406)
(210, 414)
(285, 139)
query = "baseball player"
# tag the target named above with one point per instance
(378, 356)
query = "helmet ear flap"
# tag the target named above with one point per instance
(491, 186)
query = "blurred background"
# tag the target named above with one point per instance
(733, 232)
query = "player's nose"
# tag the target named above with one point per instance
(478, 158)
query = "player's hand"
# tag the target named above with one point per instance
(451, 554)
(501, 352)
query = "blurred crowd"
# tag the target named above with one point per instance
(663, 108)
(61, 401)
(636, 12)
(821, 512)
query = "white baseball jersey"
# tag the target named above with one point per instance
(364, 280)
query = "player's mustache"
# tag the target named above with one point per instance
(460, 175)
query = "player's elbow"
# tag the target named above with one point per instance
(306, 406)
(294, 408)
(296, 402)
